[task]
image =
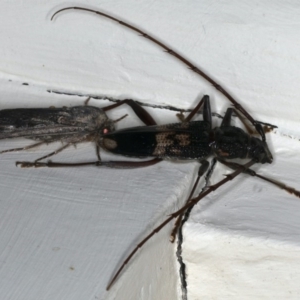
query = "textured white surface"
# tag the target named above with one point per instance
(64, 231)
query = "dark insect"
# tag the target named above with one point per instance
(70, 125)
(187, 140)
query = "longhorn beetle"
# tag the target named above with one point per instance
(186, 140)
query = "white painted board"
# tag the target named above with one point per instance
(65, 231)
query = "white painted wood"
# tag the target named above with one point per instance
(65, 231)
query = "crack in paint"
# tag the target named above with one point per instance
(182, 266)
(115, 100)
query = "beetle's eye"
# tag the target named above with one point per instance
(105, 130)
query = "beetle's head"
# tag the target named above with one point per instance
(259, 151)
(108, 127)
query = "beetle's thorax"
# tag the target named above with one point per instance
(232, 142)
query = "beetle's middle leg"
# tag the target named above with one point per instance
(204, 164)
(205, 102)
(192, 202)
(202, 169)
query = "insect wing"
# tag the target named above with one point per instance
(48, 123)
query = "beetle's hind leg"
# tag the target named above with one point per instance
(109, 164)
(98, 152)
(202, 169)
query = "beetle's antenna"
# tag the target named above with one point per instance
(121, 118)
(188, 63)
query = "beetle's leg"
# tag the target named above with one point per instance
(192, 202)
(130, 164)
(250, 172)
(206, 110)
(227, 119)
(110, 164)
(205, 102)
(181, 116)
(98, 152)
(143, 115)
(86, 102)
(226, 122)
(202, 169)
(183, 218)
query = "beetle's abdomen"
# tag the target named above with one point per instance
(178, 141)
